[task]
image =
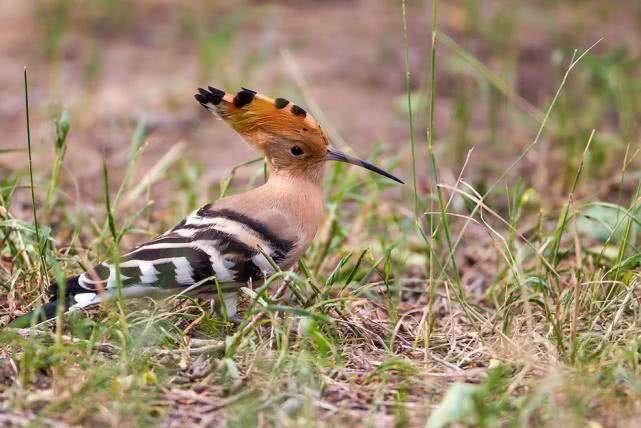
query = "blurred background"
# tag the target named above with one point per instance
(114, 80)
(127, 70)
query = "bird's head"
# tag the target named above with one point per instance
(286, 134)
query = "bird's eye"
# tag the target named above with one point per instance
(296, 151)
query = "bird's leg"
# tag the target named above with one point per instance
(230, 300)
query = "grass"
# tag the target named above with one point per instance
(501, 288)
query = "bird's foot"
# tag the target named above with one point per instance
(236, 319)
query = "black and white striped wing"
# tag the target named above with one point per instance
(209, 243)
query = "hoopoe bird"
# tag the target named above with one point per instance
(229, 242)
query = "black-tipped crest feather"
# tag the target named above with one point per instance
(243, 98)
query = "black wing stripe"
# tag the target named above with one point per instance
(166, 275)
(232, 249)
(179, 225)
(276, 243)
(133, 275)
(225, 240)
(239, 258)
(246, 270)
(198, 260)
(152, 254)
(102, 271)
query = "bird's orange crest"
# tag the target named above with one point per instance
(258, 118)
(289, 137)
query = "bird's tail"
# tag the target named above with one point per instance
(77, 297)
(74, 296)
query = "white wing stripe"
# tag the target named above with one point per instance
(149, 272)
(237, 229)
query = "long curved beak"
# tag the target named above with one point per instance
(337, 155)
